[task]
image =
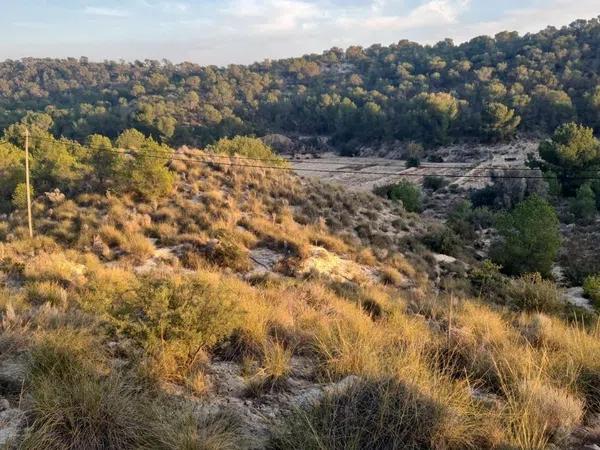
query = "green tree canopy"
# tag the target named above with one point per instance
(247, 147)
(529, 238)
(573, 153)
(130, 140)
(146, 174)
(499, 122)
(433, 115)
(103, 158)
(12, 172)
(583, 206)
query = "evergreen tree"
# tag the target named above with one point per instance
(583, 206)
(529, 238)
(573, 153)
(146, 174)
(499, 122)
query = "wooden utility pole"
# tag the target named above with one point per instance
(27, 183)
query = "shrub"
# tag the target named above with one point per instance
(374, 415)
(583, 206)
(247, 147)
(54, 267)
(219, 431)
(137, 245)
(406, 192)
(74, 405)
(175, 319)
(529, 238)
(413, 161)
(81, 410)
(571, 152)
(541, 415)
(591, 287)
(579, 256)
(485, 197)
(19, 196)
(434, 182)
(488, 280)
(442, 239)
(531, 292)
(390, 276)
(147, 175)
(226, 252)
(11, 173)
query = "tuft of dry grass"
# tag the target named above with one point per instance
(274, 370)
(385, 413)
(55, 267)
(138, 246)
(40, 292)
(532, 293)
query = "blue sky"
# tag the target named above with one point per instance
(244, 31)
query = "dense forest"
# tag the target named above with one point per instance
(485, 89)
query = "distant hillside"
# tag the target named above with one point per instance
(485, 89)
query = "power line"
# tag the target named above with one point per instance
(321, 162)
(168, 156)
(292, 169)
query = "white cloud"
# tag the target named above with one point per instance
(274, 16)
(432, 13)
(105, 12)
(243, 31)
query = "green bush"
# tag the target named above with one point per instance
(442, 239)
(181, 315)
(485, 197)
(488, 281)
(583, 206)
(145, 172)
(571, 152)
(434, 182)
(19, 197)
(11, 174)
(591, 287)
(149, 177)
(413, 161)
(408, 193)
(529, 238)
(247, 147)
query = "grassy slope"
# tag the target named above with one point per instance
(118, 312)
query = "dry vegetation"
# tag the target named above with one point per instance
(117, 315)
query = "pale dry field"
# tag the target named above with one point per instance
(364, 173)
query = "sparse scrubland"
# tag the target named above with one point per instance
(239, 307)
(213, 299)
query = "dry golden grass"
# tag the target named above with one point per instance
(273, 370)
(419, 356)
(138, 246)
(54, 267)
(40, 292)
